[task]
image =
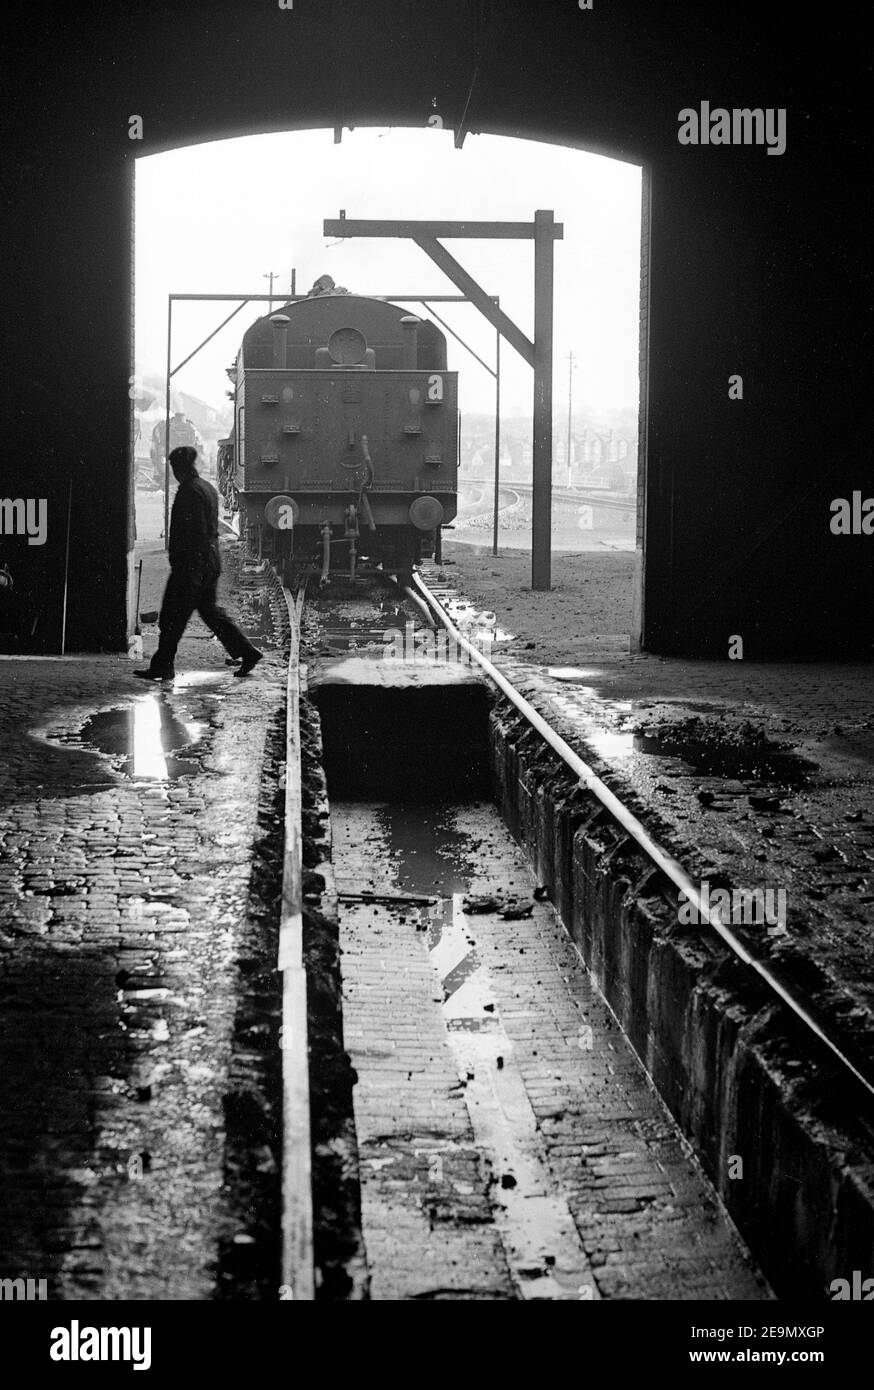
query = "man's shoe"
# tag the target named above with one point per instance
(248, 664)
(150, 675)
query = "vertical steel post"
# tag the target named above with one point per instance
(497, 439)
(66, 570)
(541, 482)
(570, 398)
(167, 427)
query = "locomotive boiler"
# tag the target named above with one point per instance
(345, 446)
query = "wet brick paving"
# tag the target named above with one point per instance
(510, 1144)
(123, 901)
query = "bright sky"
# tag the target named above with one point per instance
(217, 217)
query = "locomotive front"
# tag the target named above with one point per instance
(346, 436)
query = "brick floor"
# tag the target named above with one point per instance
(122, 900)
(510, 1144)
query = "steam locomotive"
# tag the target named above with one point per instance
(345, 446)
(182, 431)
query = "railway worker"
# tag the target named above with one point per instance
(194, 571)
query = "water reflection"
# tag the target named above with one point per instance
(571, 673)
(610, 744)
(722, 754)
(146, 737)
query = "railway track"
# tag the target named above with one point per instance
(482, 510)
(297, 1270)
(563, 494)
(659, 858)
(473, 1142)
(455, 1148)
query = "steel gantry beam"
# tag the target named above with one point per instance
(245, 299)
(544, 231)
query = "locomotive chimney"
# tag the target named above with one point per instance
(411, 341)
(280, 339)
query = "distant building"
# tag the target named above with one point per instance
(596, 454)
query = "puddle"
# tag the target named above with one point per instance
(759, 761)
(479, 626)
(144, 739)
(569, 673)
(610, 744)
(424, 849)
(344, 627)
(186, 680)
(421, 849)
(428, 857)
(352, 639)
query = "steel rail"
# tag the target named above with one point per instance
(561, 494)
(297, 1267)
(633, 827)
(505, 506)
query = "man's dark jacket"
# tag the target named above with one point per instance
(194, 548)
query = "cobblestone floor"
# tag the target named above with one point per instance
(123, 898)
(510, 1144)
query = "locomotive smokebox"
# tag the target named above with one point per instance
(280, 340)
(411, 341)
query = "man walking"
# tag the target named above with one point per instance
(195, 567)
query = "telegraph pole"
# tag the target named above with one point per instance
(271, 276)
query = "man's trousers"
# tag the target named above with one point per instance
(182, 597)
